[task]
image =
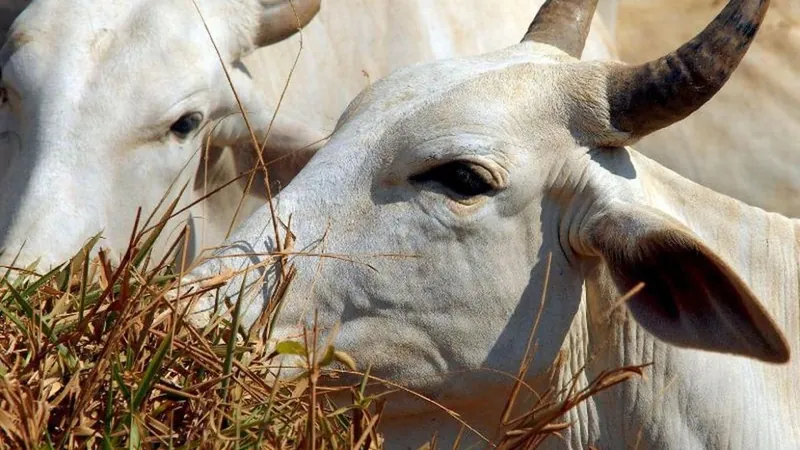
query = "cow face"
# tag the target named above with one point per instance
(107, 105)
(426, 228)
(440, 198)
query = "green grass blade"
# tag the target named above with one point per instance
(157, 230)
(151, 372)
(34, 287)
(135, 436)
(229, 354)
(115, 372)
(84, 284)
(48, 442)
(27, 309)
(109, 414)
(14, 319)
(362, 388)
(292, 348)
(11, 264)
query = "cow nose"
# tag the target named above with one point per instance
(236, 275)
(222, 285)
(245, 270)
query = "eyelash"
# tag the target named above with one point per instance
(458, 177)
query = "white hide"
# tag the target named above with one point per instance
(439, 292)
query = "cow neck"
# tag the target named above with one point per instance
(686, 386)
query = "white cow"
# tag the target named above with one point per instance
(107, 105)
(447, 186)
(110, 102)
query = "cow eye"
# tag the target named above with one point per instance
(3, 90)
(186, 124)
(459, 177)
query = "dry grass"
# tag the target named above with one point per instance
(95, 355)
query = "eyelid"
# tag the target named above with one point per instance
(496, 180)
(484, 173)
(192, 102)
(460, 179)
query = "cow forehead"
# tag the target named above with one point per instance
(139, 57)
(413, 87)
(96, 34)
(53, 20)
(484, 99)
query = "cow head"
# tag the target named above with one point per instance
(425, 225)
(108, 105)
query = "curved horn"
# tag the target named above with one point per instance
(563, 24)
(283, 18)
(656, 94)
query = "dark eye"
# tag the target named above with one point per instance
(3, 91)
(186, 124)
(459, 177)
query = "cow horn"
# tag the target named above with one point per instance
(651, 96)
(283, 18)
(563, 24)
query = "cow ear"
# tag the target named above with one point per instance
(691, 297)
(287, 144)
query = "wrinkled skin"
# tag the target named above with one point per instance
(438, 290)
(88, 124)
(746, 142)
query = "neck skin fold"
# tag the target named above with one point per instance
(690, 398)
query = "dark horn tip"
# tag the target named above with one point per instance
(654, 95)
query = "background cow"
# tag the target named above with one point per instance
(756, 146)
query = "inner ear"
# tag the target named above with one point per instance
(691, 297)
